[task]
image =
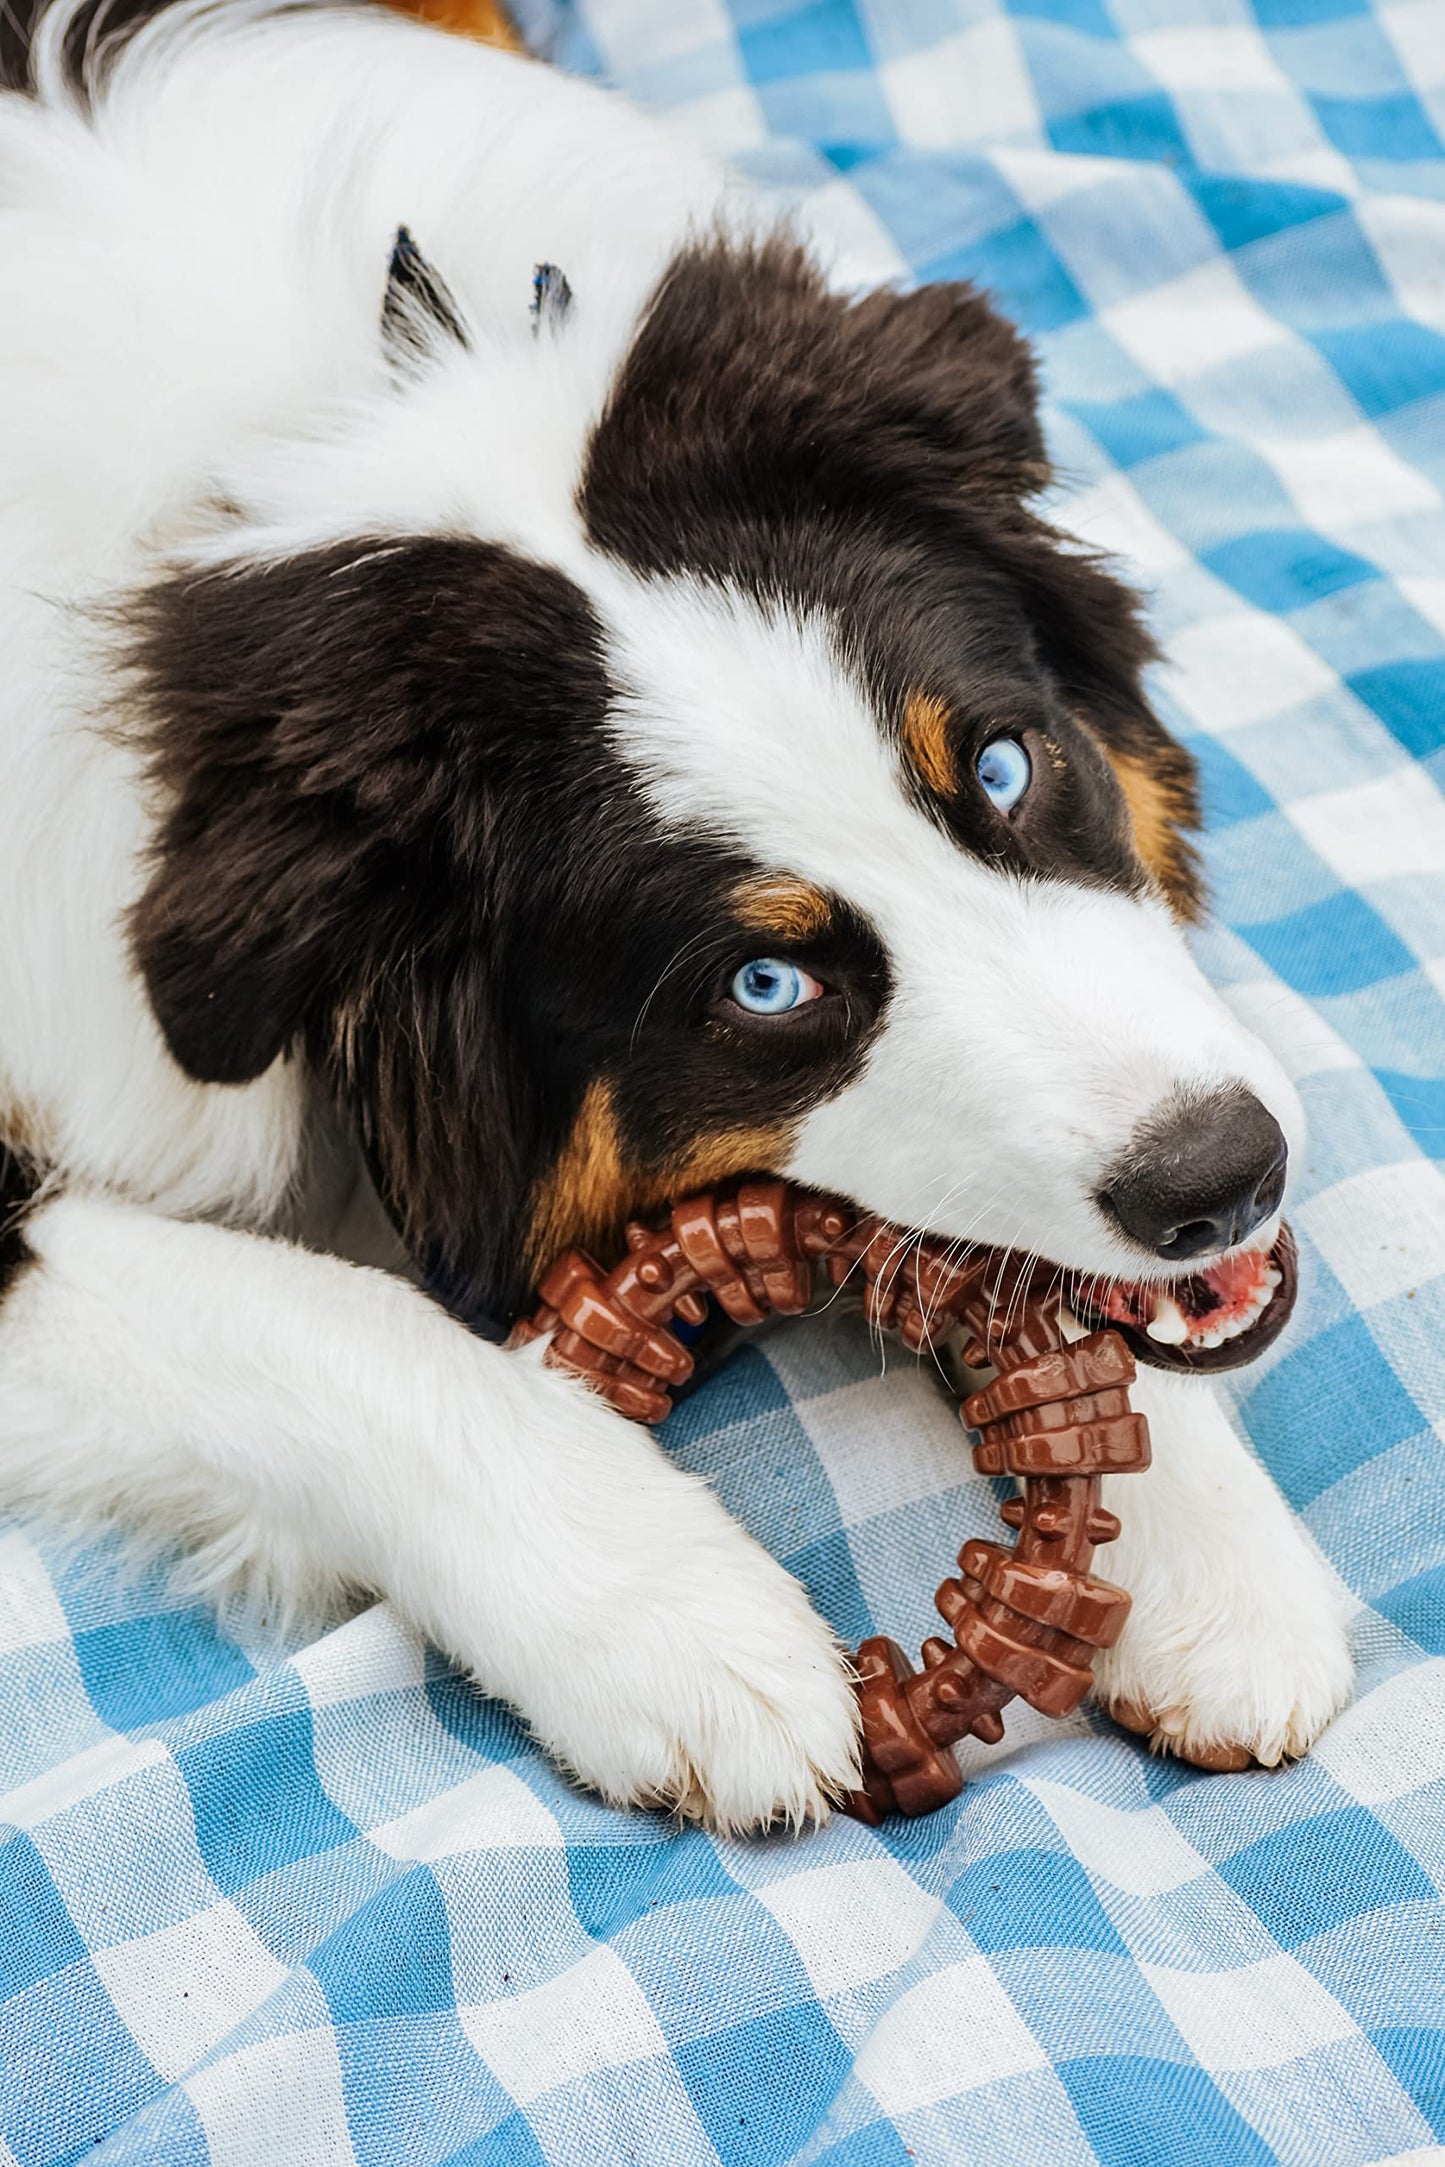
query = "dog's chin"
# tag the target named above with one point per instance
(1218, 1317)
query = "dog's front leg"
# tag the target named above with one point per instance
(1235, 1639)
(315, 1427)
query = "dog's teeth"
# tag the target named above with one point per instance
(1168, 1325)
(1272, 1277)
(1212, 1339)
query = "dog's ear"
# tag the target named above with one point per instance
(941, 366)
(342, 746)
(419, 317)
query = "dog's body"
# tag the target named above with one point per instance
(416, 707)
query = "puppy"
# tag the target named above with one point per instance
(519, 701)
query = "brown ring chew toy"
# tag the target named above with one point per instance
(1025, 1621)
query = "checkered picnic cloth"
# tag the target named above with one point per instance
(333, 1908)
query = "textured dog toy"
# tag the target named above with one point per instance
(1025, 1621)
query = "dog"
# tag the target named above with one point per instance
(520, 701)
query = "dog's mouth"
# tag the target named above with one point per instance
(1214, 1319)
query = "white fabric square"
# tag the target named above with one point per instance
(1405, 235)
(82, 1776)
(1253, 2018)
(180, 1991)
(1378, 830)
(725, 122)
(1200, 321)
(1138, 1851)
(591, 2016)
(30, 1612)
(491, 1811)
(971, 87)
(885, 1441)
(371, 1653)
(1393, 1741)
(1243, 667)
(945, 2036)
(280, 2100)
(1417, 30)
(851, 1923)
(1342, 482)
(1209, 56)
(1381, 1232)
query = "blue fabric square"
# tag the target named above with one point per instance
(1283, 569)
(1417, 2063)
(1409, 698)
(1394, 128)
(1243, 210)
(1138, 2113)
(1386, 366)
(1328, 1406)
(1142, 127)
(392, 1957)
(1144, 427)
(821, 36)
(36, 1934)
(257, 1801)
(1314, 1875)
(1418, 1607)
(147, 1669)
(1019, 269)
(1032, 1899)
(1333, 947)
(759, 2088)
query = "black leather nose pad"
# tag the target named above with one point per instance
(1199, 1176)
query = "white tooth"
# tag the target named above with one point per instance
(1211, 1339)
(1272, 1277)
(1168, 1325)
(1266, 1294)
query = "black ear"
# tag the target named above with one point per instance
(754, 401)
(418, 314)
(352, 753)
(942, 363)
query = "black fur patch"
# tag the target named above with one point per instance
(396, 833)
(872, 461)
(95, 37)
(417, 310)
(17, 1189)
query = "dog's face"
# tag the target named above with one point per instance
(803, 814)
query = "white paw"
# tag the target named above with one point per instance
(1242, 1666)
(719, 1693)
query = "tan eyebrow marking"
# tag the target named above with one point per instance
(926, 722)
(777, 903)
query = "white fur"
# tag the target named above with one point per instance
(189, 292)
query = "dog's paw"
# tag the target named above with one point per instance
(725, 1698)
(1249, 1670)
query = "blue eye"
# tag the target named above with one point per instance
(770, 987)
(1005, 771)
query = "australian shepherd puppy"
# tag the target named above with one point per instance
(516, 701)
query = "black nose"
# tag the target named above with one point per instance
(1199, 1175)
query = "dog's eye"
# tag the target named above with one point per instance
(770, 987)
(1005, 771)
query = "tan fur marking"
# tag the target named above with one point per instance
(790, 908)
(1160, 811)
(926, 742)
(592, 1191)
(487, 20)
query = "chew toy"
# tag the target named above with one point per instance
(1025, 1621)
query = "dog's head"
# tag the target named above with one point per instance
(777, 793)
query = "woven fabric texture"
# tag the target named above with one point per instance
(326, 1905)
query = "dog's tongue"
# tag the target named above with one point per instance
(1204, 1310)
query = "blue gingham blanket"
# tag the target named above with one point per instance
(326, 1905)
